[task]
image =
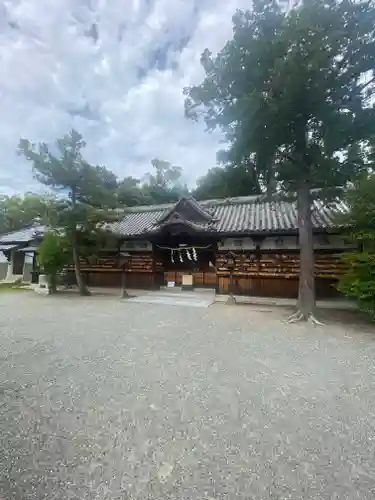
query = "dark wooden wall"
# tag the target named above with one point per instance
(106, 271)
(275, 274)
(268, 274)
(200, 279)
(274, 287)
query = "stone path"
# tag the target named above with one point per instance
(177, 298)
(106, 399)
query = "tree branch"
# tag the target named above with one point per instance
(364, 85)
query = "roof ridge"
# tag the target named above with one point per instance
(212, 202)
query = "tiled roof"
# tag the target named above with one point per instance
(198, 209)
(23, 235)
(235, 215)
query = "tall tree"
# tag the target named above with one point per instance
(164, 175)
(294, 87)
(163, 184)
(129, 192)
(88, 191)
(227, 182)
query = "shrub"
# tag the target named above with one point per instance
(359, 280)
(52, 255)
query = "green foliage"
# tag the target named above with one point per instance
(162, 194)
(162, 185)
(360, 219)
(88, 191)
(227, 182)
(68, 172)
(292, 88)
(359, 280)
(52, 255)
(129, 192)
(17, 212)
(165, 174)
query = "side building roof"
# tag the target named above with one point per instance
(23, 235)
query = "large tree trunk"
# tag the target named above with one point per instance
(83, 290)
(306, 292)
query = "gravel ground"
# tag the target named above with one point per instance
(102, 399)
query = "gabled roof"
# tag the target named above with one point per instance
(242, 215)
(175, 220)
(188, 209)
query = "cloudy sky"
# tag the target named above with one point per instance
(115, 71)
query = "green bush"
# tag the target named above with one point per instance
(359, 280)
(52, 255)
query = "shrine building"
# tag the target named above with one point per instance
(246, 243)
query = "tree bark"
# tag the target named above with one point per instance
(83, 290)
(306, 292)
(52, 284)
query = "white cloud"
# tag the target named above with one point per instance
(124, 93)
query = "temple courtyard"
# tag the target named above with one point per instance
(102, 398)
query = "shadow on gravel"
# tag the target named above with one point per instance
(351, 318)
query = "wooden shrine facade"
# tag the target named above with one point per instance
(195, 239)
(268, 272)
(161, 244)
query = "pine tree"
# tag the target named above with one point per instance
(86, 192)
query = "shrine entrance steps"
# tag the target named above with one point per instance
(177, 297)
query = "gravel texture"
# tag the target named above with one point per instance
(103, 399)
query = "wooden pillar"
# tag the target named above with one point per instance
(155, 281)
(34, 270)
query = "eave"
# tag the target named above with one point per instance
(239, 234)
